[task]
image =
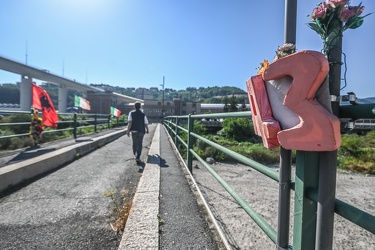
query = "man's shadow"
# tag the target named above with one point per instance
(30, 152)
(156, 159)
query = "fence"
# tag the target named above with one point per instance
(72, 122)
(305, 186)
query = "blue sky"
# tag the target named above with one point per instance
(193, 43)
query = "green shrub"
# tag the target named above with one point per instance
(18, 142)
(239, 129)
(256, 152)
(259, 153)
(18, 118)
(5, 142)
(357, 153)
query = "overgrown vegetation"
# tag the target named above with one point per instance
(237, 135)
(357, 153)
(120, 206)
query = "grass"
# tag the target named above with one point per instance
(120, 206)
(356, 154)
(254, 151)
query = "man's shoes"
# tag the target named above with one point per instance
(138, 161)
(140, 168)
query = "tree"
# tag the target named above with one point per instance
(226, 106)
(233, 104)
(243, 107)
(9, 93)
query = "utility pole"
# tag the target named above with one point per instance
(162, 104)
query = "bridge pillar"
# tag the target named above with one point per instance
(25, 93)
(63, 97)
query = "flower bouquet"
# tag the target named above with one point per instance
(332, 17)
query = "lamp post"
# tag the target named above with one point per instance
(162, 104)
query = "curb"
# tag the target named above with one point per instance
(18, 173)
(142, 227)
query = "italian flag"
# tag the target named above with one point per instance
(81, 103)
(115, 112)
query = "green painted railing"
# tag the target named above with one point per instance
(67, 122)
(305, 185)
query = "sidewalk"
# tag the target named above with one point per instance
(165, 212)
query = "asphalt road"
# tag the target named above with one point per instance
(67, 209)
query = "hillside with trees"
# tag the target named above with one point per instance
(202, 94)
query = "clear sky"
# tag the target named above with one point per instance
(193, 43)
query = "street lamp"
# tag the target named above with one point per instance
(162, 104)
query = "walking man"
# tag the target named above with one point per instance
(138, 126)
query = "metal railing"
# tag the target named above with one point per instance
(73, 122)
(305, 186)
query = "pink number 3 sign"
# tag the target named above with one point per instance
(284, 105)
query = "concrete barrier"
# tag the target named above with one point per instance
(21, 172)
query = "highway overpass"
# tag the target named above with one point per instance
(29, 73)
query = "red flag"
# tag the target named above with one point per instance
(42, 101)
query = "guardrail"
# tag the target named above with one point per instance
(73, 122)
(305, 187)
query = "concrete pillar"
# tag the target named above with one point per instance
(63, 98)
(25, 93)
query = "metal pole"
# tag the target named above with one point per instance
(290, 21)
(286, 155)
(304, 231)
(328, 160)
(95, 123)
(162, 104)
(177, 133)
(75, 126)
(326, 200)
(284, 199)
(190, 144)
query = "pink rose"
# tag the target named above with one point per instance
(360, 10)
(320, 11)
(337, 3)
(347, 12)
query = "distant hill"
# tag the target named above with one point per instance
(202, 94)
